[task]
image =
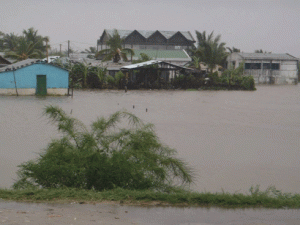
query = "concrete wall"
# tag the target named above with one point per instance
(26, 81)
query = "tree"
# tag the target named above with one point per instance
(115, 51)
(1, 41)
(233, 49)
(31, 35)
(210, 51)
(25, 50)
(195, 63)
(10, 42)
(142, 58)
(91, 50)
(106, 156)
(261, 51)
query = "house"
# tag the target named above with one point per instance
(32, 76)
(146, 74)
(266, 67)
(142, 39)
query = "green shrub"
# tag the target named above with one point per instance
(214, 78)
(105, 157)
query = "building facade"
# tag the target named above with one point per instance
(141, 39)
(33, 77)
(267, 68)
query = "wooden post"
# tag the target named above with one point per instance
(15, 81)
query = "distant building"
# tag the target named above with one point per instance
(267, 67)
(32, 76)
(142, 39)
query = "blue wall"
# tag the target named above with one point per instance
(26, 76)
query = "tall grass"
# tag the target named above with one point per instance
(270, 198)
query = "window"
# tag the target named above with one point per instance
(266, 66)
(275, 66)
(252, 66)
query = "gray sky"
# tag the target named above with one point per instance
(245, 24)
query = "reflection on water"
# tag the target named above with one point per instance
(233, 139)
(153, 215)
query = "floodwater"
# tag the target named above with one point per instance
(232, 139)
(74, 213)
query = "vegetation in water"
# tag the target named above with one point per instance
(270, 198)
(107, 156)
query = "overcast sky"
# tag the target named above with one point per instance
(245, 24)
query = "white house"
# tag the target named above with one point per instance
(267, 68)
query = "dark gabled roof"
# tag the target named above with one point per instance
(24, 63)
(148, 33)
(266, 56)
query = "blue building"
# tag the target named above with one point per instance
(33, 77)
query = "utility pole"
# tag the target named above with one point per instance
(60, 49)
(47, 56)
(68, 48)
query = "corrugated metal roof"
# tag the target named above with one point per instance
(23, 63)
(161, 54)
(148, 63)
(267, 56)
(122, 33)
(148, 33)
(20, 64)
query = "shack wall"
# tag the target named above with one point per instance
(26, 81)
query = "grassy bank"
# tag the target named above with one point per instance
(149, 197)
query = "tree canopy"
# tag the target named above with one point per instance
(28, 45)
(210, 50)
(115, 51)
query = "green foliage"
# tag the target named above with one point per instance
(235, 77)
(115, 51)
(105, 157)
(110, 80)
(30, 45)
(270, 198)
(142, 58)
(118, 78)
(210, 50)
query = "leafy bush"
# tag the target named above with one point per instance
(118, 78)
(105, 157)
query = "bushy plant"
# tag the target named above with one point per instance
(214, 78)
(118, 78)
(105, 157)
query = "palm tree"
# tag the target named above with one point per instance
(91, 50)
(10, 42)
(233, 49)
(32, 36)
(24, 50)
(210, 51)
(115, 51)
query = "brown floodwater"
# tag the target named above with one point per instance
(74, 213)
(232, 139)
